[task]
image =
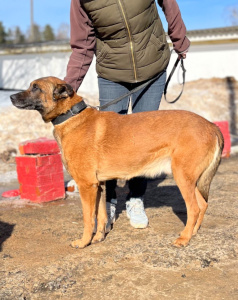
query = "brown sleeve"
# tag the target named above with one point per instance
(176, 27)
(82, 41)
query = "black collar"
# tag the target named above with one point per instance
(74, 110)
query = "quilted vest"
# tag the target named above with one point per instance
(131, 44)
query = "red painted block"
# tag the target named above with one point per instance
(224, 127)
(57, 177)
(40, 176)
(38, 192)
(55, 159)
(39, 146)
(43, 160)
(25, 161)
(34, 180)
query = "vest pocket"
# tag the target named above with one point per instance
(159, 44)
(102, 53)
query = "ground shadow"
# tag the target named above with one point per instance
(158, 196)
(6, 230)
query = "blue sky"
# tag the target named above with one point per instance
(197, 14)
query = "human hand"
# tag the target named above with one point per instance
(182, 55)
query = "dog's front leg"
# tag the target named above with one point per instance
(101, 214)
(88, 193)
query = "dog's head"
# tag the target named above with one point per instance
(50, 96)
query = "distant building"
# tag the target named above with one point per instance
(213, 53)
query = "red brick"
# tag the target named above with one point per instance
(43, 160)
(26, 161)
(26, 171)
(35, 180)
(39, 146)
(55, 159)
(224, 127)
(41, 177)
(58, 177)
(43, 193)
(43, 170)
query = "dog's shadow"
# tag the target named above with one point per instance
(158, 196)
(6, 230)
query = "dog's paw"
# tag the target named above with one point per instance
(79, 244)
(181, 242)
(195, 230)
(99, 237)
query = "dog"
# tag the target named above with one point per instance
(97, 146)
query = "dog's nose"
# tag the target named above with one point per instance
(13, 97)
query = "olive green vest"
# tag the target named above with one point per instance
(130, 41)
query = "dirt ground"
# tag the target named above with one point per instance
(38, 263)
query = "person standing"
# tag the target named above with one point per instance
(130, 45)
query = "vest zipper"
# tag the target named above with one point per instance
(130, 38)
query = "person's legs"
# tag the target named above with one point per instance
(147, 99)
(108, 91)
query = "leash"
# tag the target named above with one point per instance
(77, 108)
(115, 101)
(169, 78)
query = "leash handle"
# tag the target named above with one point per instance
(169, 78)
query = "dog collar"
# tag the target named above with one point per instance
(74, 110)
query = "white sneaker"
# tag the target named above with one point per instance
(136, 213)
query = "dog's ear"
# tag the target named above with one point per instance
(62, 91)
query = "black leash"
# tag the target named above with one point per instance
(147, 83)
(77, 108)
(169, 78)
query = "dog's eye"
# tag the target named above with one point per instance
(35, 87)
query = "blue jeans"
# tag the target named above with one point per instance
(146, 99)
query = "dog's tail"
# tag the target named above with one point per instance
(206, 177)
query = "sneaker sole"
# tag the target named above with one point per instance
(137, 225)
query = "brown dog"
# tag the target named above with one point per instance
(97, 146)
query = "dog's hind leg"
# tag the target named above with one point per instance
(204, 182)
(187, 188)
(203, 207)
(88, 193)
(101, 214)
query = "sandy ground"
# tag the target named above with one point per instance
(36, 261)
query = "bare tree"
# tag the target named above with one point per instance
(233, 15)
(63, 32)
